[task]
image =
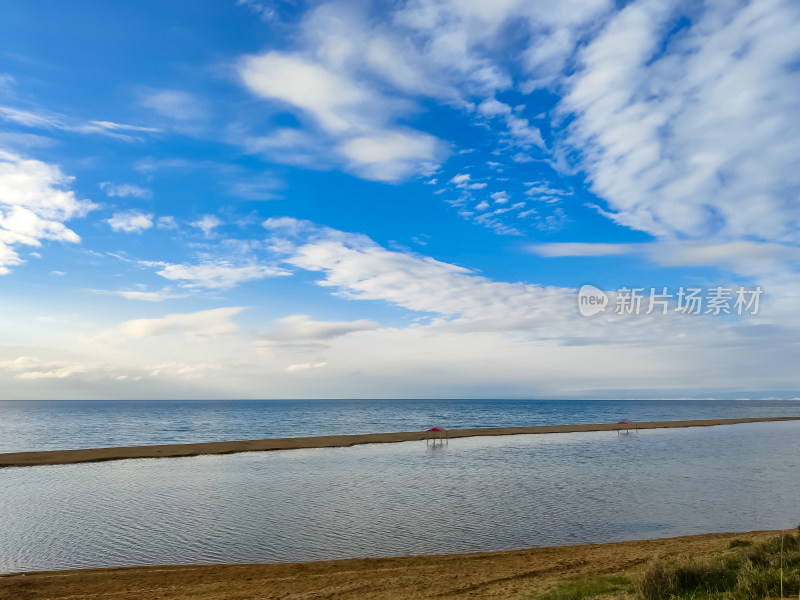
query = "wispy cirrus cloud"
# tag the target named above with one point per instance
(51, 121)
(355, 77)
(304, 366)
(647, 99)
(745, 257)
(124, 190)
(357, 268)
(264, 10)
(144, 295)
(177, 105)
(692, 133)
(519, 131)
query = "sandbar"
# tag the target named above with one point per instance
(63, 457)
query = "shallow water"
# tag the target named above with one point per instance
(486, 493)
(54, 425)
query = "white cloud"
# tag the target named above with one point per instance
(32, 368)
(464, 181)
(355, 74)
(335, 102)
(357, 118)
(112, 129)
(734, 255)
(34, 204)
(289, 225)
(544, 189)
(519, 131)
(166, 223)
(175, 104)
(182, 371)
(19, 364)
(696, 135)
(285, 145)
(124, 190)
(204, 324)
(582, 249)
(456, 299)
(302, 328)
(30, 119)
(130, 221)
(357, 268)
(749, 258)
(21, 143)
(392, 155)
(51, 121)
(207, 224)
(304, 366)
(264, 187)
(158, 296)
(465, 333)
(217, 275)
(262, 9)
(522, 157)
(500, 197)
(456, 34)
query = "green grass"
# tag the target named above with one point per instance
(746, 571)
(769, 569)
(686, 579)
(591, 587)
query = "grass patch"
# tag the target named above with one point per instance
(745, 571)
(589, 587)
(769, 569)
(686, 579)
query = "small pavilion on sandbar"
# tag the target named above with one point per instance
(437, 436)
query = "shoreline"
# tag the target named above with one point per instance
(505, 574)
(64, 457)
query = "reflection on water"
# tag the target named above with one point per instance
(397, 499)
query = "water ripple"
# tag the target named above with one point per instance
(477, 494)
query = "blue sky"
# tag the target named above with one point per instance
(354, 199)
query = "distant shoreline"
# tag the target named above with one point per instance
(64, 457)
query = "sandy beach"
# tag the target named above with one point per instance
(62, 457)
(509, 575)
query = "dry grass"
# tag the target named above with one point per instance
(768, 569)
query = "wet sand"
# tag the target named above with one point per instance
(509, 575)
(63, 457)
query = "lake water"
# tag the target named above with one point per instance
(51, 425)
(476, 494)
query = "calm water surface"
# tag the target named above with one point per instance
(51, 425)
(396, 499)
